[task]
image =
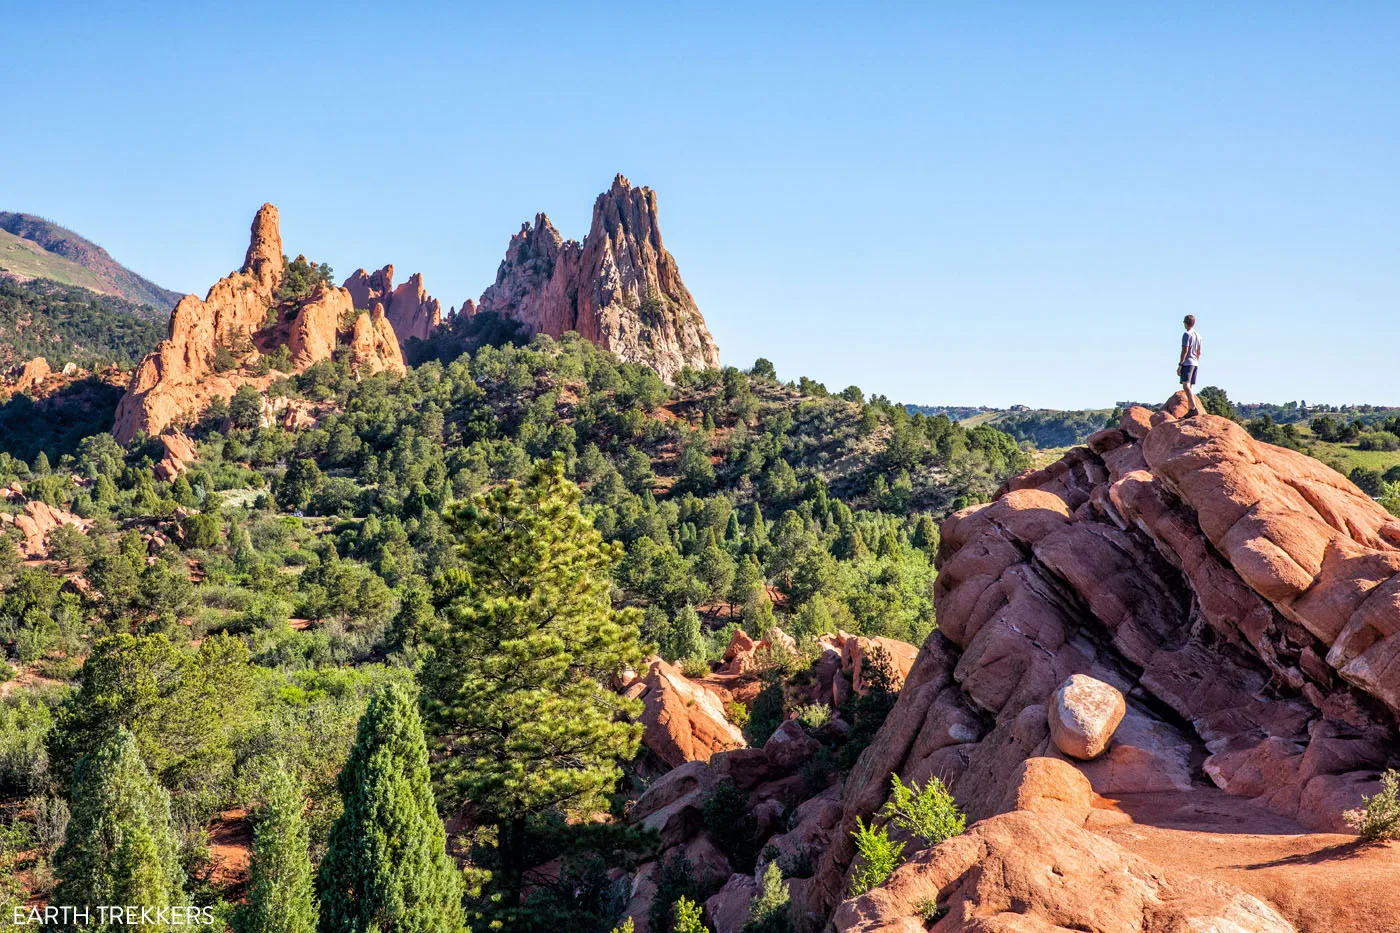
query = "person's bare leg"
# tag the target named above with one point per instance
(1191, 397)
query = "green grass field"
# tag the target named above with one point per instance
(1346, 457)
(28, 260)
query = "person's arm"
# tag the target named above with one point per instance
(1185, 345)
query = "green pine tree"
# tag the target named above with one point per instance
(386, 864)
(120, 847)
(926, 534)
(732, 534)
(281, 893)
(748, 583)
(688, 636)
(757, 540)
(530, 725)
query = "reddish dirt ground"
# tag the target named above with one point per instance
(230, 846)
(1321, 882)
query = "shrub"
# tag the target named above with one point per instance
(725, 816)
(814, 716)
(1378, 817)
(24, 763)
(765, 716)
(816, 770)
(867, 713)
(676, 883)
(736, 712)
(768, 911)
(879, 856)
(798, 865)
(929, 911)
(695, 668)
(688, 914)
(930, 812)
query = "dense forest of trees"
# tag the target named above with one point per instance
(294, 625)
(64, 323)
(1053, 428)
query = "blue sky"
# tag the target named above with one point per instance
(987, 203)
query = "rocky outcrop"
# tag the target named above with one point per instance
(180, 452)
(215, 342)
(34, 524)
(33, 374)
(684, 721)
(1239, 597)
(619, 288)
(410, 310)
(1024, 872)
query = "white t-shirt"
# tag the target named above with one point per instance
(1191, 343)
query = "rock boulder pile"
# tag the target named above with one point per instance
(1212, 622)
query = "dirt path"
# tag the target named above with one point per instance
(1322, 882)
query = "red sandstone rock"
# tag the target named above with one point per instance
(180, 379)
(180, 452)
(1052, 787)
(789, 746)
(619, 289)
(856, 650)
(1242, 597)
(1083, 714)
(36, 521)
(738, 656)
(33, 374)
(683, 720)
(1025, 872)
(728, 910)
(411, 311)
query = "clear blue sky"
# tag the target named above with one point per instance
(955, 204)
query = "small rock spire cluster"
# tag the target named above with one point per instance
(215, 343)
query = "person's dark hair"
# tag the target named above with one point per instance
(1190, 320)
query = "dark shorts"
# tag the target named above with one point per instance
(1186, 374)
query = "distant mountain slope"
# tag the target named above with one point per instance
(32, 247)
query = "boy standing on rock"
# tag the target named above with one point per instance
(1190, 360)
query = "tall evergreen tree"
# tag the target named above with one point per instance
(748, 583)
(386, 866)
(120, 847)
(281, 895)
(757, 541)
(515, 688)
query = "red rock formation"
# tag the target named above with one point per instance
(1234, 593)
(33, 374)
(620, 288)
(180, 379)
(179, 453)
(1025, 872)
(34, 524)
(683, 720)
(411, 311)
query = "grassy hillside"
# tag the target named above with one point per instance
(1043, 427)
(25, 259)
